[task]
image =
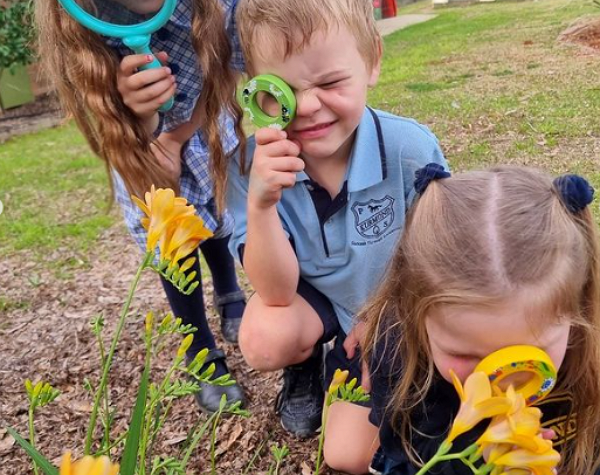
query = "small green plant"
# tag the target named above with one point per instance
(279, 454)
(16, 34)
(338, 390)
(174, 227)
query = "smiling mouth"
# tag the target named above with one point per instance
(315, 128)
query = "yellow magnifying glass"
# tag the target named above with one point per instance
(533, 365)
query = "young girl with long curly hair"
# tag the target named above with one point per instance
(115, 104)
(489, 259)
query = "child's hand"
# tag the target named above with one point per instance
(144, 91)
(274, 167)
(351, 343)
(168, 152)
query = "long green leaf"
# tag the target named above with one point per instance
(38, 458)
(132, 444)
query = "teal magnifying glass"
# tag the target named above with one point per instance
(133, 21)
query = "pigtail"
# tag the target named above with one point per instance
(218, 91)
(84, 71)
(584, 450)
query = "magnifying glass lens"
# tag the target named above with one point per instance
(517, 380)
(268, 104)
(122, 12)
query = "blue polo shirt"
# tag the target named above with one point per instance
(344, 245)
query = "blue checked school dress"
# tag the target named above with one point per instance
(195, 182)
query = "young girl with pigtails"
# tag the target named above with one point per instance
(489, 259)
(114, 103)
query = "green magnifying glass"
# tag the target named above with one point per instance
(279, 90)
(133, 21)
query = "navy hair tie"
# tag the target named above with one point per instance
(574, 191)
(424, 176)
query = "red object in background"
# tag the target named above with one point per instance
(389, 8)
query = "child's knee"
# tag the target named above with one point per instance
(260, 352)
(265, 347)
(338, 457)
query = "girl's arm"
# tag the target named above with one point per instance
(269, 260)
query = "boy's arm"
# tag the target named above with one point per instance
(269, 259)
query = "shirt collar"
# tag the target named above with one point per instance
(367, 162)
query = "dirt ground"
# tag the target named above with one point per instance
(585, 33)
(44, 334)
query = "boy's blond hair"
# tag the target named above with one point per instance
(266, 26)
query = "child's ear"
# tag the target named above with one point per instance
(376, 69)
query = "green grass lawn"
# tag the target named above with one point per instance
(55, 192)
(490, 80)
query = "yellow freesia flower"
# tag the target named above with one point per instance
(339, 378)
(494, 451)
(477, 403)
(185, 345)
(512, 471)
(172, 224)
(520, 426)
(182, 238)
(161, 208)
(88, 465)
(520, 461)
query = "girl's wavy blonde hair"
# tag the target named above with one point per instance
(476, 239)
(289, 26)
(84, 71)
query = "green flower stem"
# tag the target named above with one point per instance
(156, 468)
(257, 453)
(443, 455)
(213, 442)
(105, 370)
(160, 422)
(485, 469)
(150, 411)
(114, 444)
(32, 431)
(328, 402)
(144, 441)
(196, 439)
(464, 455)
(442, 451)
(105, 395)
(162, 386)
(469, 464)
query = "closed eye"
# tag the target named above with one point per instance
(464, 357)
(330, 84)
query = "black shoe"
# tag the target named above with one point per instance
(209, 396)
(300, 402)
(230, 327)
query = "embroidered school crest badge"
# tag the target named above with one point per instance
(374, 217)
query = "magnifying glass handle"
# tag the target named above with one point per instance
(141, 45)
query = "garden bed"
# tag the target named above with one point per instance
(492, 82)
(40, 114)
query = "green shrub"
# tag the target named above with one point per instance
(16, 34)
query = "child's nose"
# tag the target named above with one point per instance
(308, 103)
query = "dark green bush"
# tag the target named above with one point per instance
(16, 34)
